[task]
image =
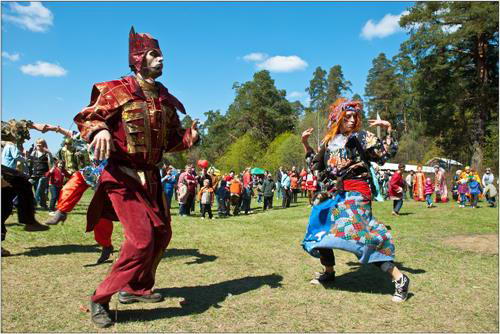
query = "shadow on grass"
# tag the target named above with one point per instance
(368, 279)
(14, 224)
(60, 250)
(174, 252)
(97, 264)
(199, 299)
(200, 258)
(406, 213)
(398, 264)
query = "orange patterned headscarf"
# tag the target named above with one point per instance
(337, 112)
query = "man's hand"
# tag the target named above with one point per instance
(102, 144)
(40, 127)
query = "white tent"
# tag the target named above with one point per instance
(391, 166)
(448, 162)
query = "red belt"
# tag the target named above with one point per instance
(360, 186)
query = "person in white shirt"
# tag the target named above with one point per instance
(488, 177)
(409, 183)
(489, 189)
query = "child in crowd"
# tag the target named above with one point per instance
(56, 181)
(223, 198)
(474, 189)
(182, 198)
(463, 189)
(206, 198)
(246, 197)
(258, 184)
(236, 188)
(490, 193)
(428, 191)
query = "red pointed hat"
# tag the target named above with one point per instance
(138, 45)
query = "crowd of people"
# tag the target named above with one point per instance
(218, 195)
(233, 192)
(467, 187)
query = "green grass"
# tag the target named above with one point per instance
(250, 273)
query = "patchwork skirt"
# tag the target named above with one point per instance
(346, 222)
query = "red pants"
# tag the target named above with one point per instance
(103, 231)
(72, 192)
(69, 197)
(141, 251)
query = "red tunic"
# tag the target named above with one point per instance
(396, 183)
(143, 124)
(142, 129)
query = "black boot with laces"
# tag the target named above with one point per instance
(401, 289)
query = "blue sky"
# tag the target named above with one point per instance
(52, 52)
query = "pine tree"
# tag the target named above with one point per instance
(454, 48)
(337, 85)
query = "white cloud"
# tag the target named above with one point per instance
(296, 95)
(255, 56)
(43, 69)
(283, 64)
(34, 16)
(447, 28)
(387, 26)
(276, 63)
(11, 57)
(450, 29)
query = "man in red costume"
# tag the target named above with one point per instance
(132, 122)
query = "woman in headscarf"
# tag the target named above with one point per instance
(419, 185)
(344, 220)
(440, 186)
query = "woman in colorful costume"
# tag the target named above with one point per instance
(344, 220)
(87, 176)
(440, 186)
(419, 185)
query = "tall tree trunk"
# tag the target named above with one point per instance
(405, 127)
(479, 122)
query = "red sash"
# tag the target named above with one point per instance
(360, 186)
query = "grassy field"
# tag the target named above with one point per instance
(250, 274)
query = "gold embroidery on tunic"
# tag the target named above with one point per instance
(133, 128)
(164, 131)
(147, 129)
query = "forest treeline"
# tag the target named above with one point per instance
(440, 92)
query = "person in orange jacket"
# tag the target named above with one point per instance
(235, 189)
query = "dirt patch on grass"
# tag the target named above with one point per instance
(481, 243)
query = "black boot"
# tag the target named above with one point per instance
(128, 298)
(105, 254)
(58, 217)
(35, 227)
(100, 315)
(5, 252)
